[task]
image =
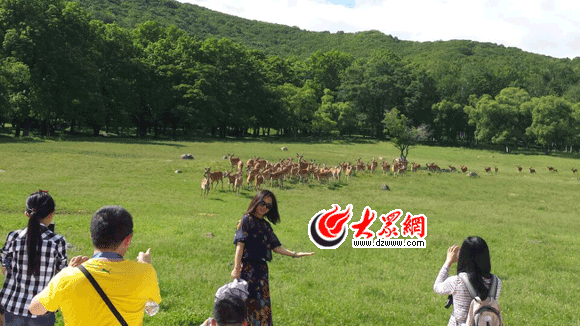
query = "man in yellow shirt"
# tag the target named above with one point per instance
(128, 285)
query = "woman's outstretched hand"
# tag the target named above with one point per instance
(303, 254)
(452, 255)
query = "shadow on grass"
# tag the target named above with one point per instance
(249, 196)
(537, 152)
(335, 186)
(7, 139)
(115, 140)
(499, 149)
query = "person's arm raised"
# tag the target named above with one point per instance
(282, 251)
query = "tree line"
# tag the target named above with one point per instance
(62, 71)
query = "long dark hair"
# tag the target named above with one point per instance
(474, 260)
(272, 215)
(38, 206)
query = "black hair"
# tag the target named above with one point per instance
(474, 260)
(272, 215)
(38, 206)
(110, 226)
(229, 311)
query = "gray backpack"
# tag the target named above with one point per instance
(486, 312)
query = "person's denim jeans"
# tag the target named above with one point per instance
(15, 320)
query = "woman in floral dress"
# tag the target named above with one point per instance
(255, 240)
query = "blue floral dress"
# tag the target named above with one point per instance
(259, 240)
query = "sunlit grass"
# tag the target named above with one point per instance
(529, 221)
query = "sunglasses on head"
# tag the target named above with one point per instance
(263, 203)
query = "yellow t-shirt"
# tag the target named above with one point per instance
(128, 284)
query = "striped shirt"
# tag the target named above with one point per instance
(19, 287)
(461, 298)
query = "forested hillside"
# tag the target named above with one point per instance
(159, 67)
(478, 68)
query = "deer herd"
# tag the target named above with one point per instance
(259, 171)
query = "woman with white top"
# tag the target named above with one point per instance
(473, 259)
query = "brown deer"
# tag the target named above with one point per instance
(234, 160)
(415, 167)
(216, 176)
(259, 181)
(238, 184)
(232, 178)
(386, 167)
(348, 172)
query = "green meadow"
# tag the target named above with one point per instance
(530, 222)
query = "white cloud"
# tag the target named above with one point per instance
(540, 26)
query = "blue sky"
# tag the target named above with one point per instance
(548, 27)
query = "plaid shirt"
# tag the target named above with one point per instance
(19, 287)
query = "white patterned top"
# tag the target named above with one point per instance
(445, 285)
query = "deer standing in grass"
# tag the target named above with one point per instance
(374, 165)
(232, 178)
(216, 176)
(259, 181)
(205, 187)
(348, 172)
(234, 160)
(386, 167)
(238, 184)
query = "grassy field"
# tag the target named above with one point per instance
(530, 222)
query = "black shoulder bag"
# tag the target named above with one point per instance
(103, 295)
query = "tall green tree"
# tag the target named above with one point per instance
(325, 69)
(373, 86)
(450, 122)
(17, 94)
(501, 120)
(117, 58)
(54, 40)
(403, 135)
(334, 117)
(299, 105)
(552, 122)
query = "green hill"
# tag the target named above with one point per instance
(272, 38)
(495, 66)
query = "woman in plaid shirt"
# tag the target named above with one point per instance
(30, 258)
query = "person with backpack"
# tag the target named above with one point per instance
(30, 258)
(473, 287)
